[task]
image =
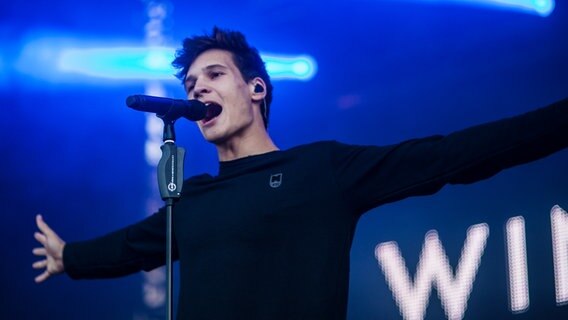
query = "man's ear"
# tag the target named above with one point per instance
(257, 89)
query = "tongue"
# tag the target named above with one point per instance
(213, 110)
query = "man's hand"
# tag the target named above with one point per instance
(52, 250)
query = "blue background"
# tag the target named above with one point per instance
(387, 71)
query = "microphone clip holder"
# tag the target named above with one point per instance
(170, 167)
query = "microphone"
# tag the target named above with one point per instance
(171, 109)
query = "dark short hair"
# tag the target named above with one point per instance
(246, 58)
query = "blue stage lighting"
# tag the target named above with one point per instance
(540, 7)
(119, 63)
(154, 63)
(544, 7)
(3, 72)
(289, 67)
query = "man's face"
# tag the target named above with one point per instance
(213, 78)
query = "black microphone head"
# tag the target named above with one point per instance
(213, 110)
(133, 101)
(195, 110)
(168, 109)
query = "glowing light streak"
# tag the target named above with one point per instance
(3, 71)
(301, 67)
(132, 63)
(541, 7)
(127, 63)
(154, 287)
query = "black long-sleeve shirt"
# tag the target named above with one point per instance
(269, 237)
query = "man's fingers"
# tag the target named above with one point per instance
(39, 251)
(42, 277)
(40, 238)
(40, 264)
(43, 226)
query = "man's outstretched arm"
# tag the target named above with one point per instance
(371, 176)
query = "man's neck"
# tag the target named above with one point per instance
(245, 146)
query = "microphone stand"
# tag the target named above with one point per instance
(170, 182)
(170, 167)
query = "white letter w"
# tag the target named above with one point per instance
(433, 269)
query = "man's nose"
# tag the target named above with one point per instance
(200, 90)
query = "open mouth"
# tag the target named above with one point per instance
(213, 110)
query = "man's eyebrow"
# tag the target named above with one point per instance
(191, 79)
(213, 66)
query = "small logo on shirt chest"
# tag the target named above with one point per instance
(275, 180)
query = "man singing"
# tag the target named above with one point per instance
(269, 236)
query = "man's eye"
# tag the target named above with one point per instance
(215, 74)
